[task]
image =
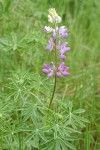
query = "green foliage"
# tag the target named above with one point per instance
(26, 123)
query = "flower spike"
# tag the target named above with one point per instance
(60, 48)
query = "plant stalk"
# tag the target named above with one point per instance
(55, 82)
(54, 89)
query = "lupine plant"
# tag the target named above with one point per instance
(68, 122)
(56, 68)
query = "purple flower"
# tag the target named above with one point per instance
(63, 49)
(51, 43)
(55, 32)
(49, 69)
(63, 32)
(62, 70)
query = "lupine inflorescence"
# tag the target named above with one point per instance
(54, 44)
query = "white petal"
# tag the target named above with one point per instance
(50, 19)
(58, 20)
(62, 27)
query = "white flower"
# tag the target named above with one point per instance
(48, 29)
(52, 12)
(53, 16)
(58, 19)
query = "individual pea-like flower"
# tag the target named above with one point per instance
(63, 32)
(63, 49)
(50, 45)
(49, 69)
(62, 56)
(62, 70)
(47, 29)
(53, 16)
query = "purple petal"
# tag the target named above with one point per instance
(61, 52)
(54, 34)
(49, 47)
(64, 35)
(66, 49)
(64, 44)
(45, 71)
(50, 74)
(59, 74)
(57, 69)
(65, 68)
(63, 32)
(47, 66)
(64, 73)
(51, 42)
(61, 64)
(63, 57)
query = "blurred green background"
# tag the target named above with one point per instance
(22, 49)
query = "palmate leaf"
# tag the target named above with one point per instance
(73, 118)
(58, 144)
(50, 145)
(76, 121)
(59, 138)
(64, 143)
(33, 111)
(36, 136)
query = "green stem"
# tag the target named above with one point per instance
(55, 82)
(54, 89)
